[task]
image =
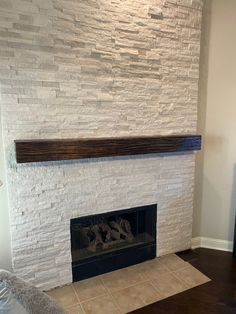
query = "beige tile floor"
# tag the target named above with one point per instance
(129, 288)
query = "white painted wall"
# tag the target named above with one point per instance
(5, 251)
(215, 201)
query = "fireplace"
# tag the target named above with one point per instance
(105, 242)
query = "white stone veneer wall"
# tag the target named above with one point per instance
(93, 68)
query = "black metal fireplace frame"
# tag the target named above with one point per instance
(120, 258)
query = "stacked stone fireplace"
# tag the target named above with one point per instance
(81, 69)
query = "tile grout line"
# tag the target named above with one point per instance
(130, 286)
(78, 298)
(183, 281)
(185, 284)
(151, 282)
(147, 303)
(114, 300)
(93, 298)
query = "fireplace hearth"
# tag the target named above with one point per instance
(106, 242)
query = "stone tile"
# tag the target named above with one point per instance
(148, 270)
(173, 262)
(147, 292)
(90, 288)
(76, 309)
(128, 299)
(121, 279)
(168, 284)
(64, 296)
(100, 305)
(24, 27)
(191, 276)
(137, 296)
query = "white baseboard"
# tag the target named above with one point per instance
(210, 243)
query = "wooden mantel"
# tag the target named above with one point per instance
(65, 149)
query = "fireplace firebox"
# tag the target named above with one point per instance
(105, 242)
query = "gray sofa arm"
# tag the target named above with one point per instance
(32, 299)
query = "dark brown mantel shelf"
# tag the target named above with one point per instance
(65, 149)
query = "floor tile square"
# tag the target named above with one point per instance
(64, 296)
(191, 276)
(128, 299)
(100, 305)
(168, 284)
(76, 309)
(173, 262)
(134, 297)
(148, 270)
(121, 279)
(89, 288)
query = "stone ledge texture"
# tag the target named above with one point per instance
(94, 68)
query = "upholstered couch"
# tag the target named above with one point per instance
(19, 297)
